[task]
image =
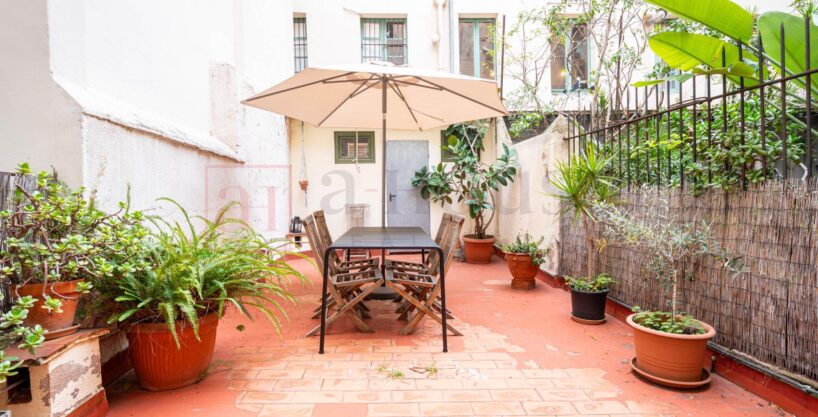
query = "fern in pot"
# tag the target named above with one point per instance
(524, 257)
(177, 283)
(670, 345)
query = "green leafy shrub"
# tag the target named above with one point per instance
(659, 320)
(669, 243)
(184, 272)
(526, 245)
(472, 181)
(599, 283)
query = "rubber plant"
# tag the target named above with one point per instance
(470, 180)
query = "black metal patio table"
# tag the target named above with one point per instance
(385, 239)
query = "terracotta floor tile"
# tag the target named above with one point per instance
(307, 365)
(251, 385)
(446, 409)
(487, 383)
(498, 408)
(514, 395)
(315, 397)
(344, 385)
(491, 356)
(280, 374)
(570, 394)
(600, 407)
(549, 408)
(394, 410)
(391, 384)
(258, 397)
(476, 364)
(446, 383)
(466, 395)
(367, 397)
(286, 410)
(353, 349)
(417, 396)
(350, 365)
(298, 385)
(544, 373)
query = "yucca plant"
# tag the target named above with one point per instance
(583, 182)
(190, 268)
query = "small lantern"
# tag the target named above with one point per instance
(296, 226)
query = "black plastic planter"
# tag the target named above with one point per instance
(588, 307)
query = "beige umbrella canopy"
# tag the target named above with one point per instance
(377, 95)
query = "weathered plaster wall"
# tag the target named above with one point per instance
(527, 205)
(39, 122)
(146, 95)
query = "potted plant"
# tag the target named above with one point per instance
(171, 291)
(588, 298)
(581, 183)
(524, 257)
(472, 181)
(53, 246)
(15, 331)
(670, 346)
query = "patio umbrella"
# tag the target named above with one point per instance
(377, 95)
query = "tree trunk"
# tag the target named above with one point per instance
(589, 247)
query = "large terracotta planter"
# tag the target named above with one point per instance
(57, 324)
(669, 359)
(523, 271)
(478, 251)
(160, 365)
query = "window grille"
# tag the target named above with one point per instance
(300, 43)
(384, 39)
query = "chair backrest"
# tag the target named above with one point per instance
(445, 220)
(326, 238)
(455, 226)
(315, 241)
(451, 225)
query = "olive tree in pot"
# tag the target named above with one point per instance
(670, 346)
(524, 257)
(175, 285)
(55, 243)
(472, 182)
(583, 182)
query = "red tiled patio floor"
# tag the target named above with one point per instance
(520, 355)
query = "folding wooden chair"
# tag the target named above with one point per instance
(348, 283)
(421, 289)
(430, 263)
(326, 239)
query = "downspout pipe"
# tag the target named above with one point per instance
(452, 25)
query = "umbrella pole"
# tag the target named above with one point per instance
(383, 159)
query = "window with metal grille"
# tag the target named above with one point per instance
(477, 47)
(355, 147)
(300, 43)
(384, 39)
(570, 64)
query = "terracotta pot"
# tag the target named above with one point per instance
(478, 251)
(160, 365)
(668, 356)
(588, 305)
(523, 271)
(57, 324)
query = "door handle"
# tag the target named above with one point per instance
(391, 196)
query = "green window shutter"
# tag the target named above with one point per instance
(345, 147)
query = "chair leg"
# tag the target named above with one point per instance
(423, 309)
(346, 309)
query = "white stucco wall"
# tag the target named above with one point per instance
(146, 94)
